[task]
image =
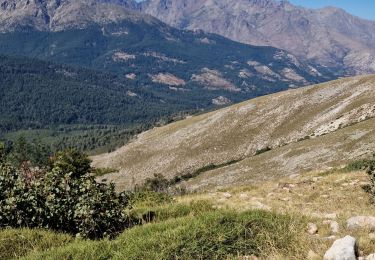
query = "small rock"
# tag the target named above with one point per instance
(324, 196)
(370, 257)
(260, 205)
(244, 196)
(312, 229)
(372, 236)
(227, 195)
(324, 215)
(330, 238)
(330, 216)
(361, 222)
(342, 249)
(311, 255)
(334, 227)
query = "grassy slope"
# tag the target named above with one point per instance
(215, 225)
(277, 121)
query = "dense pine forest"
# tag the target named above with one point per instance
(65, 106)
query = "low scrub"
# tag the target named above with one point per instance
(359, 165)
(369, 166)
(212, 235)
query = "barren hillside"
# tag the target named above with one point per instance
(281, 134)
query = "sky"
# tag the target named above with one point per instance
(361, 8)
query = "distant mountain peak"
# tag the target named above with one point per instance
(329, 36)
(55, 15)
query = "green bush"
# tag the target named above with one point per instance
(359, 165)
(66, 198)
(371, 172)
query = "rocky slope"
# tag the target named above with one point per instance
(57, 15)
(286, 133)
(329, 36)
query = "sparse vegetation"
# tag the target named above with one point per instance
(263, 150)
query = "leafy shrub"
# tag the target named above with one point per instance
(158, 183)
(66, 198)
(371, 172)
(359, 165)
(369, 166)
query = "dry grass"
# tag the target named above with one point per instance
(313, 196)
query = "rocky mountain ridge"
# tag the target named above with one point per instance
(57, 15)
(329, 36)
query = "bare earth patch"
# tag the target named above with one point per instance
(167, 79)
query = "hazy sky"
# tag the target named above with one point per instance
(361, 8)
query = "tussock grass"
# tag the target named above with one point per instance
(214, 235)
(15, 243)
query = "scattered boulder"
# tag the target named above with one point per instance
(333, 225)
(369, 257)
(312, 229)
(361, 222)
(312, 256)
(244, 196)
(227, 195)
(342, 249)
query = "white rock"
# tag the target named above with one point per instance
(342, 249)
(361, 222)
(334, 227)
(244, 196)
(370, 257)
(312, 229)
(371, 236)
(227, 195)
(330, 238)
(312, 255)
(324, 215)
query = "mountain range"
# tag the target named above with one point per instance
(200, 69)
(329, 36)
